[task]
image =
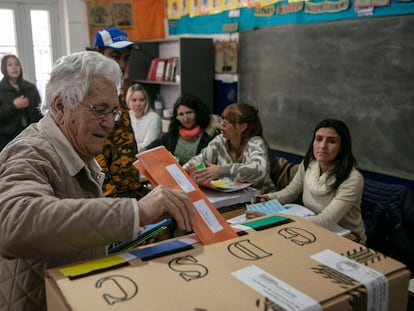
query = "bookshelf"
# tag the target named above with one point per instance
(195, 67)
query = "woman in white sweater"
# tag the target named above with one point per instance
(328, 180)
(145, 122)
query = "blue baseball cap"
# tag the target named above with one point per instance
(112, 38)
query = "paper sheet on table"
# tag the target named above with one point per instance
(274, 206)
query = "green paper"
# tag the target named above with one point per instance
(266, 222)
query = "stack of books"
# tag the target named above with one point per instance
(222, 199)
(164, 69)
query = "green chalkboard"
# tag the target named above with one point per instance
(360, 71)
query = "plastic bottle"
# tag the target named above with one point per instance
(158, 105)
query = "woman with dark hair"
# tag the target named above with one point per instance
(328, 180)
(191, 128)
(239, 152)
(19, 100)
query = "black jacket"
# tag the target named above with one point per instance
(13, 120)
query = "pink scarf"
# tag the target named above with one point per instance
(189, 134)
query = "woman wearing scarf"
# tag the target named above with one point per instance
(191, 129)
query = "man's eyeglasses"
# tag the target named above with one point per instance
(102, 112)
(185, 114)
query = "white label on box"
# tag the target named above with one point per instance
(208, 216)
(276, 290)
(127, 256)
(375, 282)
(180, 178)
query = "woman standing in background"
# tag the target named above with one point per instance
(19, 100)
(145, 122)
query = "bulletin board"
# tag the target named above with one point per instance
(140, 19)
(360, 71)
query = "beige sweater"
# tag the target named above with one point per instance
(341, 206)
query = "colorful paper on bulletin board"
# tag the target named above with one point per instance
(326, 6)
(286, 13)
(144, 21)
(203, 7)
(253, 3)
(174, 9)
(229, 4)
(241, 3)
(215, 6)
(193, 8)
(268, 2)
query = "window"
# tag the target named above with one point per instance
(28, 31)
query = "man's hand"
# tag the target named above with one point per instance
(162, 203)
(253, 214)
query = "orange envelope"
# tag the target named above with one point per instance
(161, 168)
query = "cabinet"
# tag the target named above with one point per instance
(196, 67)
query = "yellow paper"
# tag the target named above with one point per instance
(219, 184)
(90, 266)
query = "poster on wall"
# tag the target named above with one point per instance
(226, 54)
(123, 14)
(99, 14)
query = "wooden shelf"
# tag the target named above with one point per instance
(196, 68)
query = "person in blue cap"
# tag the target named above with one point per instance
(118, 153)
(114, 43)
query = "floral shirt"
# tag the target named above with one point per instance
(118, 156)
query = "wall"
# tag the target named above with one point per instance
(73, 17)
(360, 71)
(79, 35)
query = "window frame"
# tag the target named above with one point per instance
(23, 29)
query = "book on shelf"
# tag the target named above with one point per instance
(163, 69)
(170, 69)
(152, 69)
(175, 64)
(274, 206)
(167, 70)
(159, 71)
(177, 70)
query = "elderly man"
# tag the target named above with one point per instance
(52, 210)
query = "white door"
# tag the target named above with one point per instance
(29, 30)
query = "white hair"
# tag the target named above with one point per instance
(72, 75)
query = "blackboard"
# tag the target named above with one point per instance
(360, 71)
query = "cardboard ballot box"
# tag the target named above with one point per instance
(276, 263)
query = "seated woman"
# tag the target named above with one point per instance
(239, 152)
(328, 180)
(191, 128)
(145, 122)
